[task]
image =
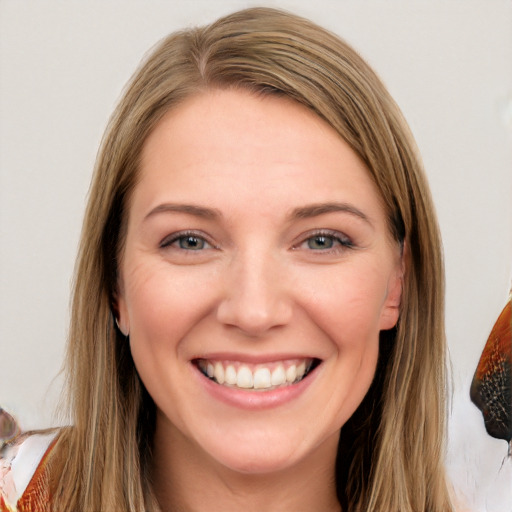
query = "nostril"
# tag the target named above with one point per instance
(253, 318)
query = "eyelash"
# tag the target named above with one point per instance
(340, 241)
(183, 235)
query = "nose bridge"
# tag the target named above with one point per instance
(255, 298)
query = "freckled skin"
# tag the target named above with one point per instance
(261, 283)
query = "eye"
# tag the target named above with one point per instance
(320, 242)
(186, 241)
(326, 241)
(191, 243)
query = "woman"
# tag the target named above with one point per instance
(257, 315)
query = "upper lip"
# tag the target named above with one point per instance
(252, 358)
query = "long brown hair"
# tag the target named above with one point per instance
(391, 451)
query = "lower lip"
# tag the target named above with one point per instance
(255, 400)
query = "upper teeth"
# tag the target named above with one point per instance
(255, 376)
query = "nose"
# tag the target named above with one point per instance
(255, 299)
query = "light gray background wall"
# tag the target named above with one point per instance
(62, 67)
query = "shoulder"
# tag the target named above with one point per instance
(24, 475)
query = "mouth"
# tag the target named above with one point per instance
(257, 377)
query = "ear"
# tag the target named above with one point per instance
(120, 313)
(391, 308)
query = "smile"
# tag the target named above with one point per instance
(258, 377)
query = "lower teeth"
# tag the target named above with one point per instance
(285, 384)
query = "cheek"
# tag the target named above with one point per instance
(347, 312)
(164, 306)
(347, 305)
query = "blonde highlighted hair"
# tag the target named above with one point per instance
(390, 456)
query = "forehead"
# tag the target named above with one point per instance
(209, 118)
(259, 148)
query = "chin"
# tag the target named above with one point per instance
(266, 452)
(257, 461)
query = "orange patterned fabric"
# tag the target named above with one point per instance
(36, 497)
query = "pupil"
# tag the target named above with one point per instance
(191, 242)
(320, 242)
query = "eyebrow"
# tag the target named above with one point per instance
(190, 209)
(315, 210)
(302, 212)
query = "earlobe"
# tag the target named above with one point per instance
(120, 314)
(391, 309)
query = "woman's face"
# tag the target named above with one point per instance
(258, 271)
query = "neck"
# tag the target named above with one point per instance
(186, 479)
